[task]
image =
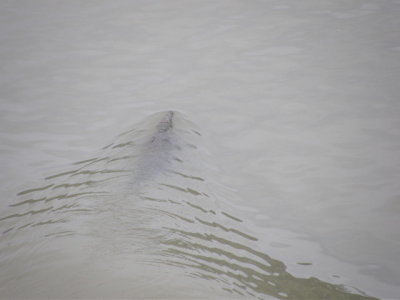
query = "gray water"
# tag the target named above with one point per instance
(289, 188)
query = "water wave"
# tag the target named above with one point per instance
(145, 217)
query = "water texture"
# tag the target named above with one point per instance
(142, 203)
(296, 101)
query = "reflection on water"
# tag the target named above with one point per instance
(149, 199)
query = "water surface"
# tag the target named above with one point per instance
(296, 102)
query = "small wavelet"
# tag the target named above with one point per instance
(147, 204)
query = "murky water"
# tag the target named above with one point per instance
(278, 177)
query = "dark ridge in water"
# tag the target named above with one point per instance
(149, 199)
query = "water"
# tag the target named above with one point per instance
(147, 204)
(297, 108)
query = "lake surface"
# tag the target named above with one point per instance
(286, 120)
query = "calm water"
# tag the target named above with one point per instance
(277, 177)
